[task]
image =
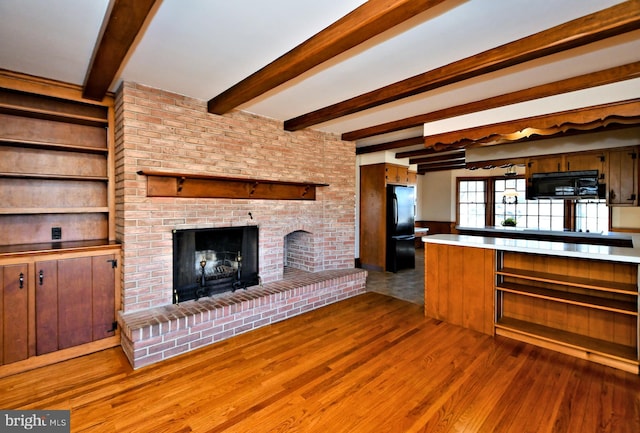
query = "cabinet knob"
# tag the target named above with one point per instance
(21, 280)
(612, 194)
(41, 277)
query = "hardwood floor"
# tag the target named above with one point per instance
(368, 364)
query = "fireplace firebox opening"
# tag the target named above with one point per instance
(214, 260)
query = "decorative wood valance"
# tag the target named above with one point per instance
(161, 184)
(617, 114)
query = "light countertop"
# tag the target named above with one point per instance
(585, 251)
(566, 234)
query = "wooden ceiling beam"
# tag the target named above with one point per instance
(594, 79)
(125, 21)
(370, 19)
(412, 141)
(450, 157)
(416, 153)
(425, 168)
(616, 20)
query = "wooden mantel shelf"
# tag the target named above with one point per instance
(162, 184)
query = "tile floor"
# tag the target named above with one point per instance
(407, 284)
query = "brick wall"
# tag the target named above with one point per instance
(157, 130)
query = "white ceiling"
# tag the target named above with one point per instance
(199, 48)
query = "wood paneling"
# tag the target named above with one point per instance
(459, 286)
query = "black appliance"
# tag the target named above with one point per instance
(566, 185)
(400, 228)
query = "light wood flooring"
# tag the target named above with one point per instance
(369, 364)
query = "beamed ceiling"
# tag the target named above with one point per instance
(424, 79)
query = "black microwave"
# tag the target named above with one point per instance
(566, 185)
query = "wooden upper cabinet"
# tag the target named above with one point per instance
(579, 161)
(413, 177)
(622, 176)
(585, 161)
(396, 174)
(544, 164)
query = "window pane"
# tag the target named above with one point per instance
(592, 216)
(471, 203)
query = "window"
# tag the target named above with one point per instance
(592, 216)
(511, 202)
(472, 204)
(489, 201)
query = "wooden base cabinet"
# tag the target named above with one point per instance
(14, 325)
(74, 302)
(586, 308)
(57, 305)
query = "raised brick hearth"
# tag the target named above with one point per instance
(159, 333)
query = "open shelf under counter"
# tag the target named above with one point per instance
(629, 307)
(567, 280)
(578, 299)
(601, 351)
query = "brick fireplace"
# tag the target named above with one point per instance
(313, 240)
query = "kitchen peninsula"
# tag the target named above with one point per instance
(579, 299)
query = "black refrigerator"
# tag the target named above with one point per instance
(400, 228)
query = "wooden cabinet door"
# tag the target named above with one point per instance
(74, 302)
(103, 296)
(585, 161)
(622, 177)
(397, 174)
(412, 177)
(46, 306)
(545, 165)
(14, 317)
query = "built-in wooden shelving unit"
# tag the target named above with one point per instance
(590, 310)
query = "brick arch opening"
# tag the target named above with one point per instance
(301, 252)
